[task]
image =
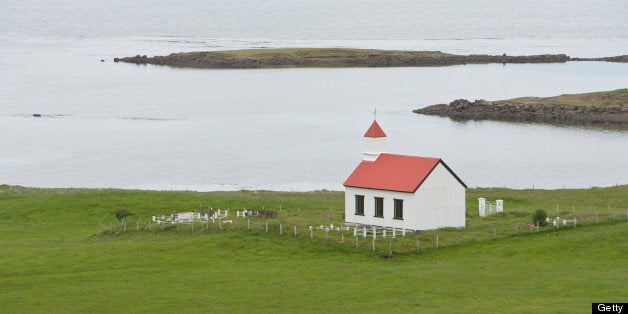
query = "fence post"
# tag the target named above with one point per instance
(220, 223)
(373, 244)
(248, 223)
(342, 238)
(326, 233)
(280, 229)
(138, 224)
(266, 226)
(295, 231)
(356, 242)
(192, 224)
(311, 232)
(581, 219)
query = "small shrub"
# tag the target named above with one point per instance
(122, 213)
(539, 216)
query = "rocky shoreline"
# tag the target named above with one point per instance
(322, 57)
(462, 109)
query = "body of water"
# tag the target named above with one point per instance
(117, 125)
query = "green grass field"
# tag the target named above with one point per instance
(57, 258)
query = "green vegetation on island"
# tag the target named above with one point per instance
(338, 57)
(609, 99)
(599, 108)
(58, 257)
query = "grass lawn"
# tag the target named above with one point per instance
(55, 257)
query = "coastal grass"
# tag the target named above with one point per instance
(615, 98)
(57, 258)
(319, 54)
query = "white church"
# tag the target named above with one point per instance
(398, 191)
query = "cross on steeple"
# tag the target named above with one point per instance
(375, 114)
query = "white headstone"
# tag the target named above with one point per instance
(482, 206)
(499, 206)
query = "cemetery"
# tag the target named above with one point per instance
(494, 220)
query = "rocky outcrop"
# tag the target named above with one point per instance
(462, 109)
(345, 58)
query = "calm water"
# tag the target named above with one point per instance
(129, 126)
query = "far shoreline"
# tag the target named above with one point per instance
(5, 188)
(340, 58)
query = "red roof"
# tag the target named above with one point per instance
(375, 130)
(395, 173)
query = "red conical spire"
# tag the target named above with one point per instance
(375, 131)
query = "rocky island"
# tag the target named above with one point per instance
(339, 57)
(600, 108)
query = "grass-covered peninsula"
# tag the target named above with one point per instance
(338, 57)
(599, 108)
(60, 255)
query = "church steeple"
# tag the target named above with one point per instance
(374, 142)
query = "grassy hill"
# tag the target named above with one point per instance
(56, 257)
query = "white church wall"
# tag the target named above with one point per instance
(409, 211)
(441, 201)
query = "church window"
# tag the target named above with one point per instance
(359, 205)
(379, 207)
(398, 209)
